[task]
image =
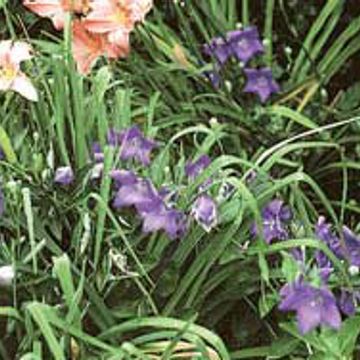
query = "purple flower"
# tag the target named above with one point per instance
(149, 204)
(325, 272)
(214, 77)
(351, 252)
(260, 82)
(347, 302)
(274, 215)
(64, 175)
(323, 232)
(123, 177)
(245, 44)
(352, 243)
(97, 152)
(141, 194)
(172, 221)
(132, 144)
(194, 168)
(298, 254)
(113, 137)
(135, 146)
(204, 211)
(219, 48)
(313, 306)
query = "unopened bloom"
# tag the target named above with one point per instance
(260, 82)
(313, 306)
(351, 250)
(7, 275)
(204, 211)
(194, 168)
(214, 77)
(97, 152)
(348, 301)
(56, 9)
(64, 175)
(275, 215)
(97, 171)
(11, 77)
(324, 232)
(352, 243)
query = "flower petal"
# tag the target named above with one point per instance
(24, 87)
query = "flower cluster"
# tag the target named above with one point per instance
(314, 303)
(12, 54)
(348, 249)
(243, 45)
(100, 27)
(155, 207)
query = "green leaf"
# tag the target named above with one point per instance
(292, 115)
(289, 267)
(41, 319)
(350, 99)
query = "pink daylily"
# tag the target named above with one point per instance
(11, 76)
(88, 47)
(57, 9)
(116, 17)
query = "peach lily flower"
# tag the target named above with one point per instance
(88, 47)
(57, 9)
(116, 17)
(11, 77)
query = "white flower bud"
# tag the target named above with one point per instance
(7, 275)
(96, 171)
(288, 50)
(50, 158)
(213, 121)
(353, 270)
(266, 42)
(228, 85)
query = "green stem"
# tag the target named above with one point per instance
(245, 12)
(268, 30)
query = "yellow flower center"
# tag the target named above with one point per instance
(7, 72)
(122, 14)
